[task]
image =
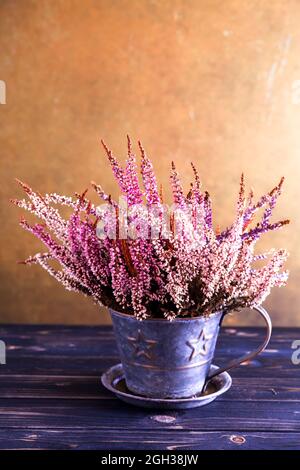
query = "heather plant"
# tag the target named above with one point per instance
(142, 257)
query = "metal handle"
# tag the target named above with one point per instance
(248, 357)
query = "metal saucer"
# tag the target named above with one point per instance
(113, 379)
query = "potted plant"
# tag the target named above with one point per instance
(166, 274)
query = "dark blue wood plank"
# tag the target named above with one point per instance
(64, 341)
(31, 350)
(88, 387)
(50, 395)
(122, 439)
(266, 365)
(113, 414)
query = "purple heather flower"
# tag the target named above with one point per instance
(174, 263)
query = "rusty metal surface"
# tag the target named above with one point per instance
(213, 82)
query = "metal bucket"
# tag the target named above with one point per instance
(163, 359)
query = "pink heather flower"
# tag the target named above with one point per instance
(149, 179)
(134, 194)
(177, 188)
(174, 263)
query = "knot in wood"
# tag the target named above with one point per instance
(164, 419)
(237, 439)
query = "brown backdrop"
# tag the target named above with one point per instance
(216, 82)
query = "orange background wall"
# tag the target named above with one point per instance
(216, 82)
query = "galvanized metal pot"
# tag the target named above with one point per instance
(163, 359)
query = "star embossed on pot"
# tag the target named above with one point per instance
(141, 345)
(199, 345)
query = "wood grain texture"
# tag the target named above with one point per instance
(209, 81)
(51, 396)
(104, 439)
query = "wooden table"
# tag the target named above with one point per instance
(51, 396)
